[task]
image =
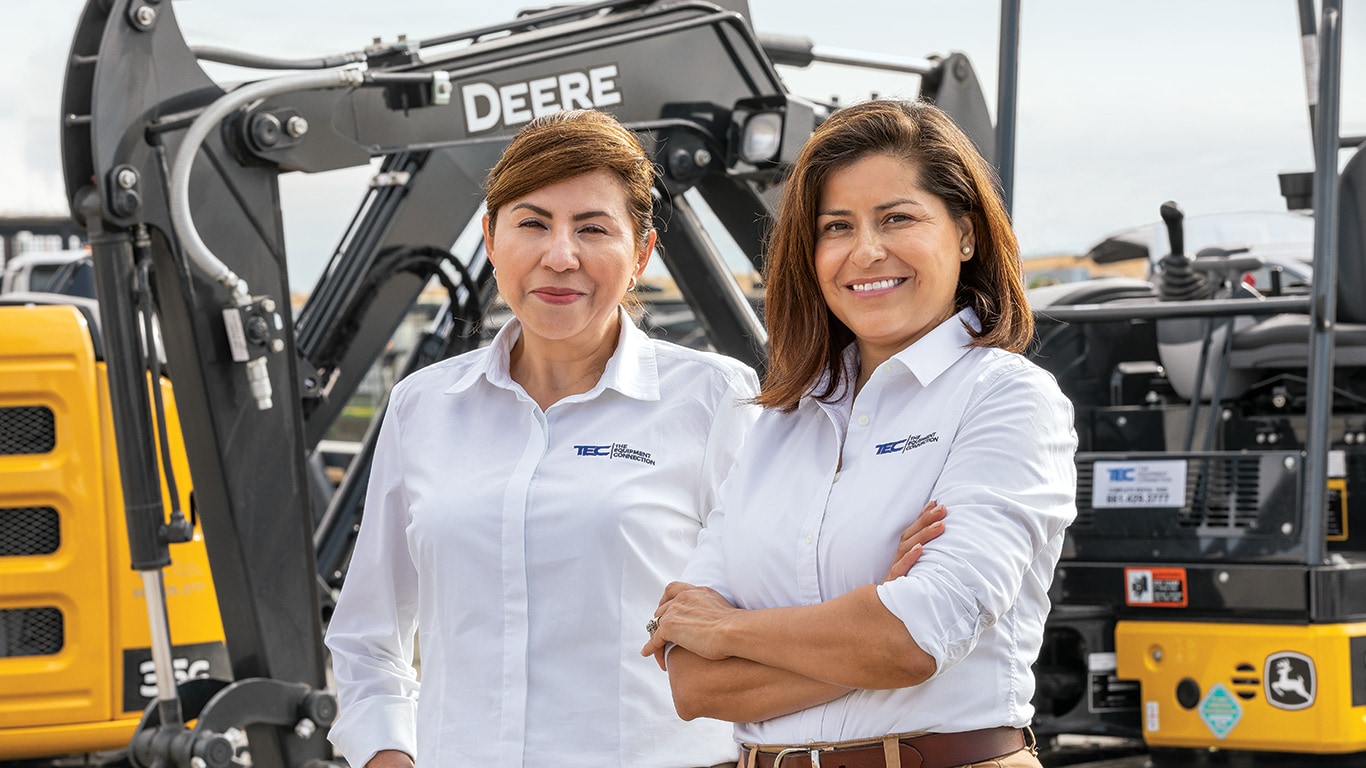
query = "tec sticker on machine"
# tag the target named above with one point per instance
(1290, 680)
(1138, 484)
(1220, 711)
(1155, 587)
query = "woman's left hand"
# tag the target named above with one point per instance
(692, 617)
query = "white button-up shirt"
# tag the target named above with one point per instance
(528, 549)
(986, 433)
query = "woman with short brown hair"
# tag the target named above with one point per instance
(529, 500)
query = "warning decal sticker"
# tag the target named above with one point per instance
(1155, 587)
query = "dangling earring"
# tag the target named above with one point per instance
(632, 285)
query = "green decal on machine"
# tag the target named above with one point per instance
(1220, 710)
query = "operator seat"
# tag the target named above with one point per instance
(1282, 341)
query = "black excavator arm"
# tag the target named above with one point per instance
(176, 181)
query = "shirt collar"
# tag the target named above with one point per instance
(838, 404)
(933, 353)
(632, 370)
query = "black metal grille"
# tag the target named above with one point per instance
(31, 632)
(29, 531)
(1086, 515)
(27, 429)
(1245, 682)
(1222, 493)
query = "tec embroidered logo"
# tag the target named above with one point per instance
(615, 451)
(907, 443)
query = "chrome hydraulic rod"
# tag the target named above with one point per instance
(168, 700)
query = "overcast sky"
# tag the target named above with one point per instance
(1122, 104)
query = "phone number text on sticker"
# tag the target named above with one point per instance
(1121, 484)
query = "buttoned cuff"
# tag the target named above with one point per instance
(374, 724)
(942, 623)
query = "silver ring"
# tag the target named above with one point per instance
(652, 625)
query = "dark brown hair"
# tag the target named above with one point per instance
(805, 338)
(570, 143)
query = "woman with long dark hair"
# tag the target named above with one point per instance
(896, 316)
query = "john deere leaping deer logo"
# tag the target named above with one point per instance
(1289, 680)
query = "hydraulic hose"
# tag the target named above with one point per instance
(183, 163)
(255, 61)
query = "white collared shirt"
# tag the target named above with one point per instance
(986, 433)
(528, 549)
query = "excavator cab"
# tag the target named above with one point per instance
(1211, 598)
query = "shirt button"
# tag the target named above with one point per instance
(863, 420)
(809, 538)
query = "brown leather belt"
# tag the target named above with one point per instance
(932, 750)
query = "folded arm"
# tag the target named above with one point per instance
(739, 688)
(851, 641)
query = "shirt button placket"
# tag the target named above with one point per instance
(515, 629)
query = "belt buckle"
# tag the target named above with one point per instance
(814, 753)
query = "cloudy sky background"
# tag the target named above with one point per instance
(1122, 104)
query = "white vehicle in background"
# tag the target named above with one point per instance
(65, 272)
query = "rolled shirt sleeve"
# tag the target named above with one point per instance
(1009, 484)
(371, 632)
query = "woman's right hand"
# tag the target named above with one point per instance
(927, 527)
(390, 758)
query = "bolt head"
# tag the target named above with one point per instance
(127, 178)
(296, 126)
(146, 15)
(702, 157)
